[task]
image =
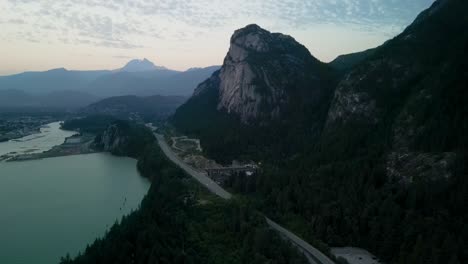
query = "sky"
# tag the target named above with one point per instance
(38, 35)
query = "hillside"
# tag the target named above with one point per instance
(380, 164)
(58, 100)
(162, 82)
(151, 107)
(267, 76)
(178, 221)
(49, 81)
(268, 82)
(349, 61)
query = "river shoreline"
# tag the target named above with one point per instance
(16, 128)
(50, 141)
(54, 206)
(73, 145)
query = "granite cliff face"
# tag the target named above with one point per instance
(389, 152)
(263, 73)
(403, 101)
(112, 139)
(123, 138)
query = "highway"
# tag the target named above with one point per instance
(199, 176)
(313, 255)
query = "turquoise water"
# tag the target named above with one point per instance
(53, 206)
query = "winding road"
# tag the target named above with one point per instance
(313, 255)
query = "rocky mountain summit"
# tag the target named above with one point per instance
(403, 98)
(264, 73)
(137, 65)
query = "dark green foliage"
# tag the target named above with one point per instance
(155, 107)
(330, 181)
(350, 203)
(299, 109)
(224, 138)
(173, 226)
(349, 61)
(132, 138)
(90, 124)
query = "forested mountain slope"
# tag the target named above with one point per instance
(381, 162)
(178, 221)
(125, 107)
(268, 82)
(349, 61)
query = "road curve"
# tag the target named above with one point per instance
(313, 255)
(199, 176)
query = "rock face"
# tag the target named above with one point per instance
(404, 102)
(404, 86)
(124, 138)
(112, 139)
(401, 64)
(264, 72)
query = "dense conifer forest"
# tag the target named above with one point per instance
(180, 222)
(330, 176)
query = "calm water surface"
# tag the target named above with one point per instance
(53, 206)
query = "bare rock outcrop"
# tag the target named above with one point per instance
(266, 74)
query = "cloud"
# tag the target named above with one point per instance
(122, 57)
(117, 23)
(16, 21)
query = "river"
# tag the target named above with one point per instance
(49, 136)
(55, 206)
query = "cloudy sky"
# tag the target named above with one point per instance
(105, 34)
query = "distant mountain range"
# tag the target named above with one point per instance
(145, 83)
(61, 88)
(137, 77)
